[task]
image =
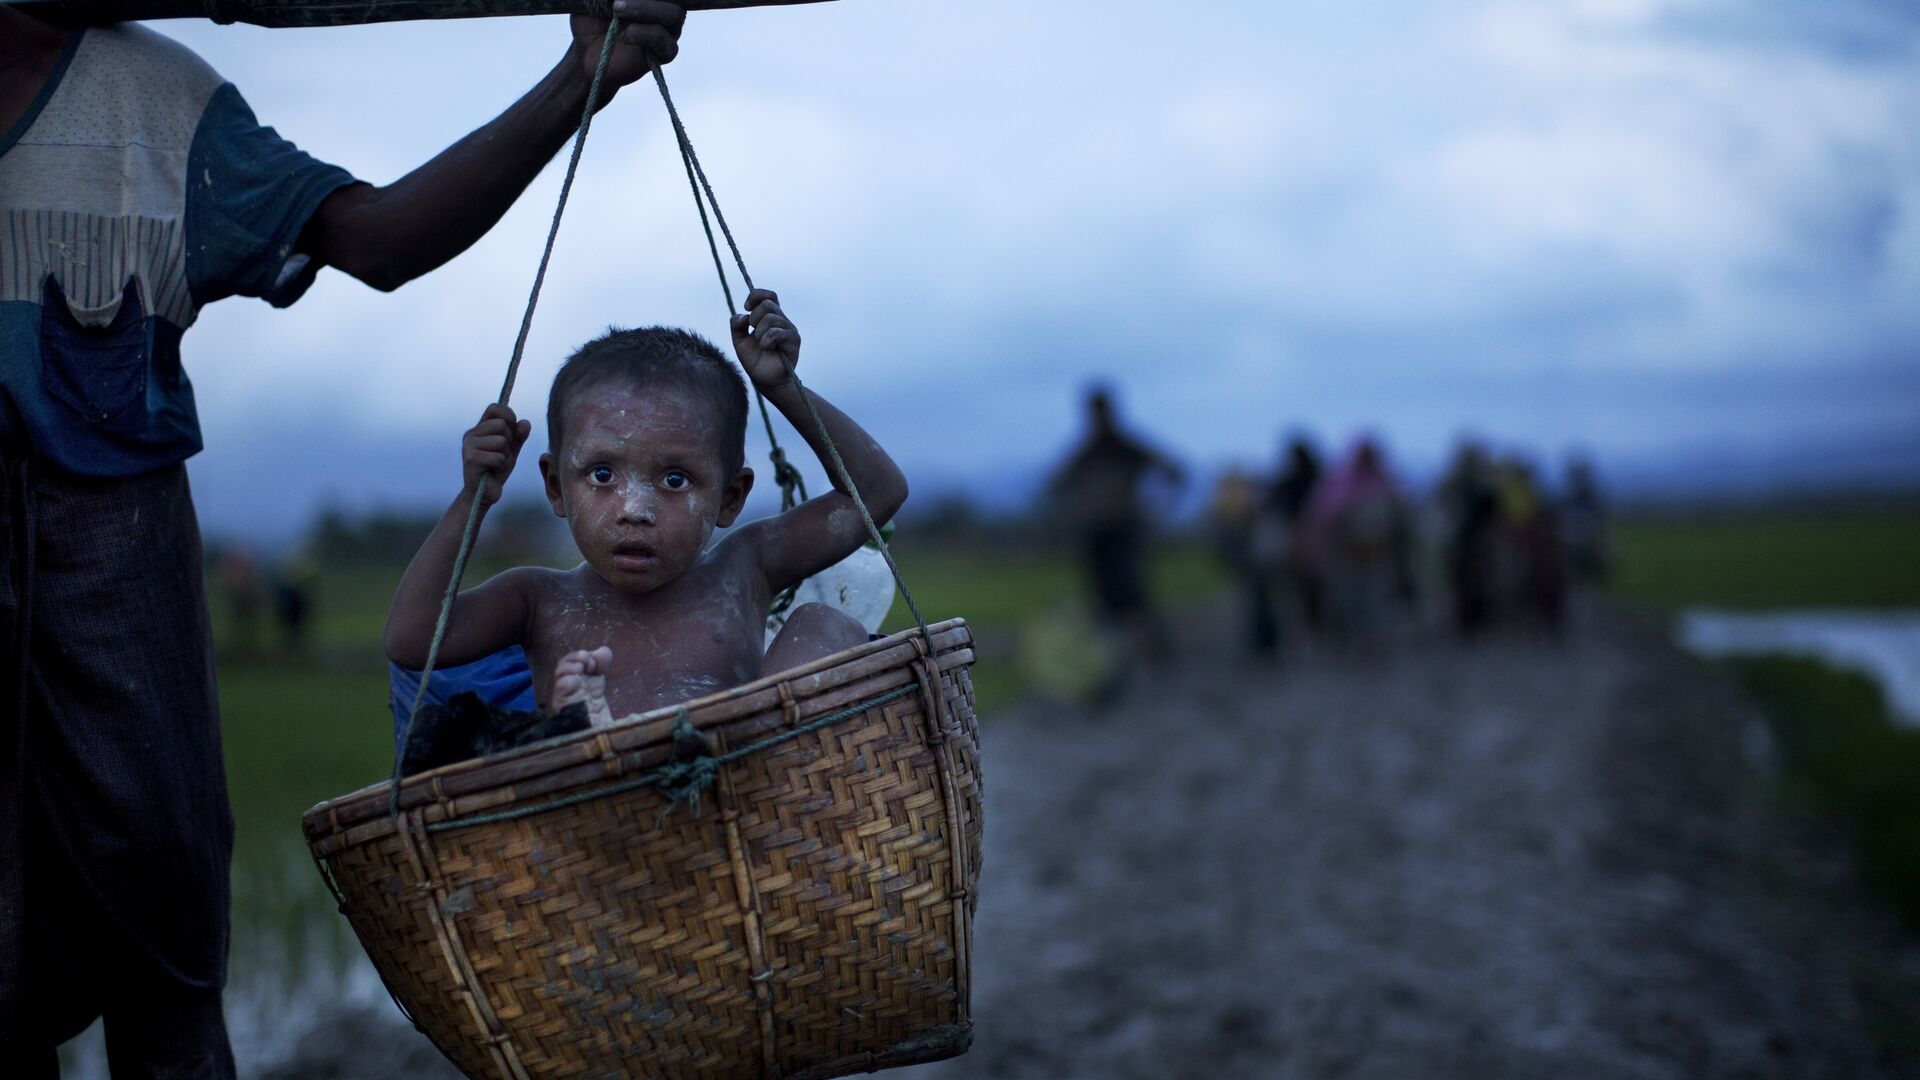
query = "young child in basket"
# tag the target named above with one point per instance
(646, 459)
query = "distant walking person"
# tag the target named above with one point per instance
(1584, 523)
(246, 597)
(1279, 581)
(1233, 515)
(1097, 491)
(1536, 554)
(1278, 540)
(293, 591)
(1471, 510)
(1359, 530)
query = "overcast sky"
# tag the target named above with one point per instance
(1681, 234)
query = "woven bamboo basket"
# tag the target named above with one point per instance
(545, 913)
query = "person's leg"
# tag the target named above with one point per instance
(43, 1002)
(1377, 580)
(1310, 583)
(16, 984)
(64, 952)
(1348, 586)
(1132, 597)
(176, 1037)
(812, 631)
(1263, 631)
(127, 788)
(1102, 558)
(40, 1062)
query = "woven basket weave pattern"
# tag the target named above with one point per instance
(810, 918)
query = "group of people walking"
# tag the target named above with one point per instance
(1342, 553)
(1345, 554)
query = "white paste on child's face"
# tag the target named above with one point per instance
(642, 469)
(636, 499)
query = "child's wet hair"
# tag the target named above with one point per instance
(653, 356)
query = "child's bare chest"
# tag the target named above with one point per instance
(702, 633)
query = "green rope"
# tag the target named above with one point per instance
(472, 528)
(684, 780)
(697, 178)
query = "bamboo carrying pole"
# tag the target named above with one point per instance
(331, 12)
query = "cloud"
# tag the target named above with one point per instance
(1249, 214)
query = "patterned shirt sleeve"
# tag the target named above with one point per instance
(249, 193)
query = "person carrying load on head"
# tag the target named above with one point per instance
(646, 447)
(136, 187)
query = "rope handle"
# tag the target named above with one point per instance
(472, 528)
(787, 476)
(697, 180)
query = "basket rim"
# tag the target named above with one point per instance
(831, 681)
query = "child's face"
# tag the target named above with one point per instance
(640, 481)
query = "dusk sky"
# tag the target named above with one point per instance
(1683, 235)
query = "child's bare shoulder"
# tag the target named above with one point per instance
(738, 552)
(533, 583)
(732, 566)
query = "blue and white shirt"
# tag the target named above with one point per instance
(137, 188)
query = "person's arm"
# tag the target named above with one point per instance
(387, 236)
(823, 530)
(1171, 468)
(1165, 464)
(485, 619)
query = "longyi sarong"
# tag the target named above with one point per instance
(114, 819)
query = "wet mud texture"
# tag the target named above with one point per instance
(1519, 860)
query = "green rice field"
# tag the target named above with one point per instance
(1772, 559)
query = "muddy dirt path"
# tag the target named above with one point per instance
(1519, 860)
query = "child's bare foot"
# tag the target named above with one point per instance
(582, 676)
